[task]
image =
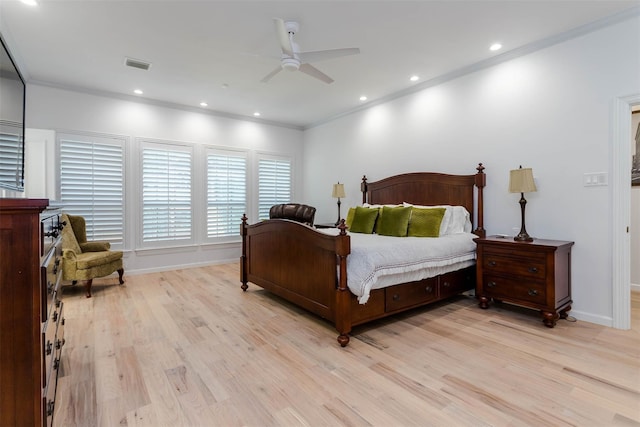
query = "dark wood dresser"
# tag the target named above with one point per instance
(31, 311)
(531, 274)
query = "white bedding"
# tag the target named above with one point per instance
(379, 261)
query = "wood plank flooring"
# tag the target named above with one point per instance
(189, 348)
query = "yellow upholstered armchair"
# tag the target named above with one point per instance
(82, 260)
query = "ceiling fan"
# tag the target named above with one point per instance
(294, 60)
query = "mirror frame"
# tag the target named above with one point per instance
(18, 185)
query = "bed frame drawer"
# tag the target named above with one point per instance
(456, 282)
(400, 297)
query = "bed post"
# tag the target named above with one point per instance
(243, 258)
(363, 188)
(481, 182)
(343, 295)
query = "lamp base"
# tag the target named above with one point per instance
(523, 237)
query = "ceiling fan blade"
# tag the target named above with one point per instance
(283, 36)
(314, 72)
(321, 55)
(268, 77)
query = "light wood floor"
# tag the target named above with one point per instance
(189, 348)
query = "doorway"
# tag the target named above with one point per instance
(621, 209)
(635, 217)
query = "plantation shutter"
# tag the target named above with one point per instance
(10, 159)
(166, 193)
(274, 184)
(226, 192)
(91, 184)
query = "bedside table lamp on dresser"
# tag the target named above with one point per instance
(534, 274)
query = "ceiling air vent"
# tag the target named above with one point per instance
(136, 63)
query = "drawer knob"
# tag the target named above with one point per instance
(492, 263)
(532, 292)
(428, 289)
(56, 364)
(446, 284)
(396, 297)
(48, 350)
(492, 285)
(55, 316)
(59, 344)
(533, 270)
(49, 287)
(49, 408)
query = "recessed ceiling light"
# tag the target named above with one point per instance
(363, 98)
(414, 78)
(203, 104)
(495, 46)
(30, 2)
(257, 114)
(138, 92)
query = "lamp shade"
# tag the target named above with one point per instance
(338, 191)
(521, 181)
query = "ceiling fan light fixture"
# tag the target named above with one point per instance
(290, 64)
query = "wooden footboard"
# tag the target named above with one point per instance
(299, 264)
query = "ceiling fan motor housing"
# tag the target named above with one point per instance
(290, 64)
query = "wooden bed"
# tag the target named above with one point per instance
(309, 268)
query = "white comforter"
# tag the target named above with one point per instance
(379, 261)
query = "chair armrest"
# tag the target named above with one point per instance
(69, 254)
(95, 246)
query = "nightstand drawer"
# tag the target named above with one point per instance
(532, 265)
(514, 289)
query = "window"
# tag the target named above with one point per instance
(226, 192)
(91, 184)
(166, 192)
(274, 184)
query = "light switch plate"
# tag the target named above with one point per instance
(595, 179)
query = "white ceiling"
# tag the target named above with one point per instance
(198, 47)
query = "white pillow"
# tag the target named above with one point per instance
(456, 219)
(460, 221)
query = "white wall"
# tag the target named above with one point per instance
(549, 110)
(52, 110)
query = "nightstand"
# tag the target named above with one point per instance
(531, 274)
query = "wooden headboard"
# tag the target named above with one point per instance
(430, 188)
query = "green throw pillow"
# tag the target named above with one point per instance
(364, 219)
(393, 221)
(349, 220)
(425, 222)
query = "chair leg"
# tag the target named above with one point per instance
(120, 273)
(88, 284)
